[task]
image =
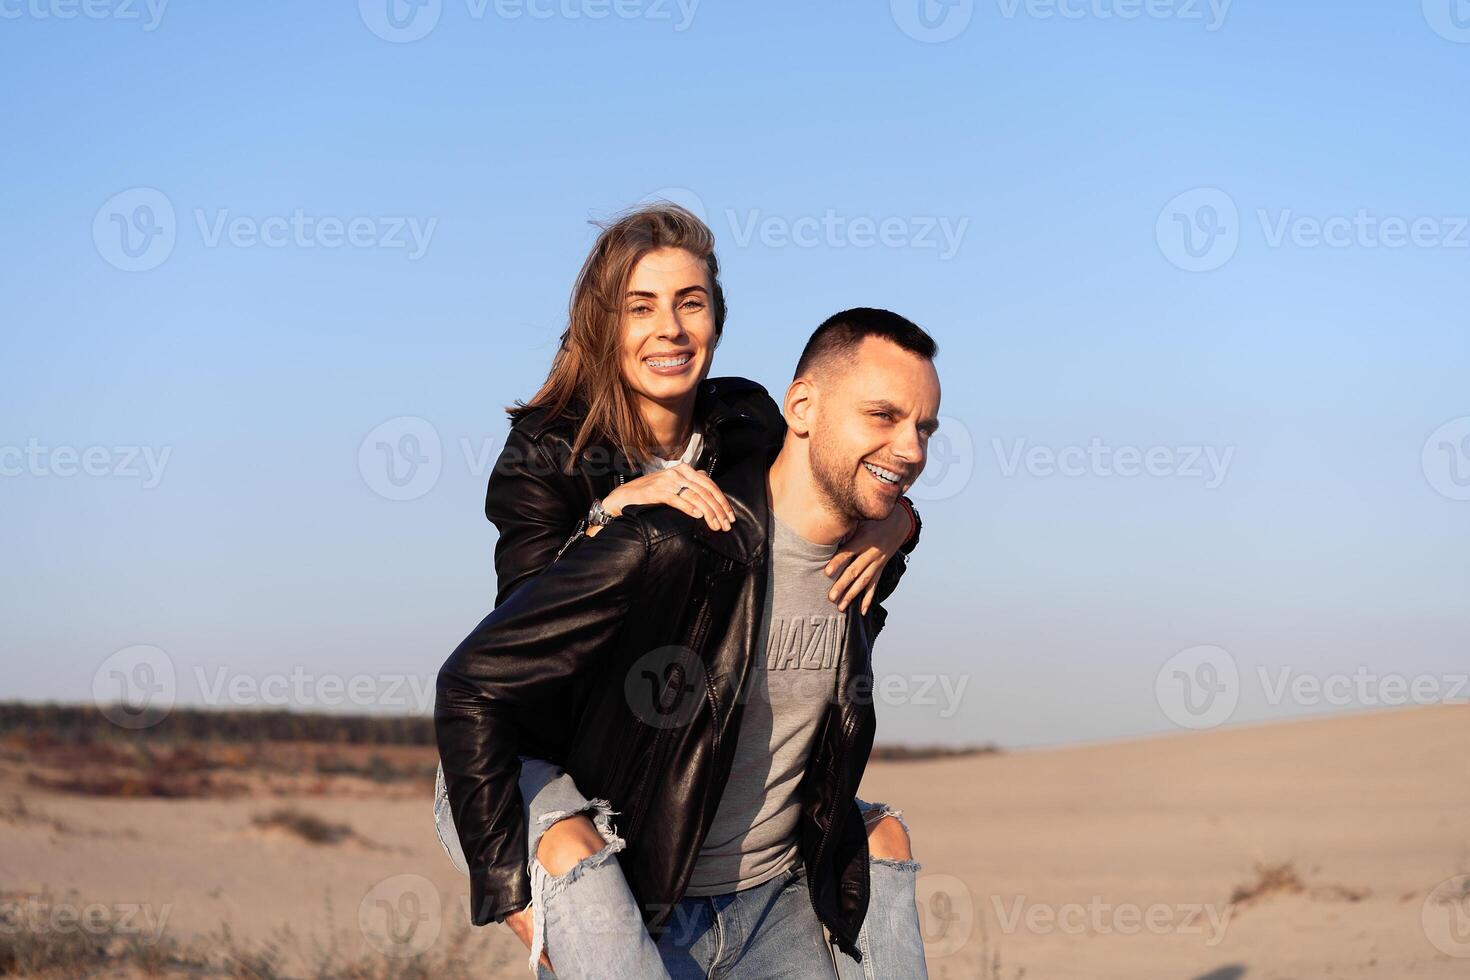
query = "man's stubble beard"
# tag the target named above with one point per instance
(836, 482)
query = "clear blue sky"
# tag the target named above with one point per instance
(1047, 145)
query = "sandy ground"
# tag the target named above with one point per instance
(1117, 860)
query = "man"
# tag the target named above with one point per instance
(697, 683)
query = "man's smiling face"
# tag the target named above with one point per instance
(870, 436)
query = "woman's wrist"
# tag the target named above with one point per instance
(613, 504)
(911, 520)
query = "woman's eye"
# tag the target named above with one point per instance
(640, 310)
(693, 304)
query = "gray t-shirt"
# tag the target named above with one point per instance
(803, 635)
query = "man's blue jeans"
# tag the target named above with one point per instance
(590, 924)
(770, 931)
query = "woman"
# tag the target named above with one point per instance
(627, 416)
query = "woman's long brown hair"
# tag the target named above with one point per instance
(586, 368)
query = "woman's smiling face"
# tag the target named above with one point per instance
(668, 326)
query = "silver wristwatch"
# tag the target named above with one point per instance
(598, 516)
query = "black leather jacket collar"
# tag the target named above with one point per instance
(717, 402)
(538, 497)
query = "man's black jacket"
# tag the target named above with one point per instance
(622, 662)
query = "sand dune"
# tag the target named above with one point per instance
(1302, 850)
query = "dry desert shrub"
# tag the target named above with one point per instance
(1271, 879)
(29, 947)
(1282, 879)
(307, 826)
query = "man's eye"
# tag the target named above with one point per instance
(883, 415)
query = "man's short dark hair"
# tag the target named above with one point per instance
(841, 334)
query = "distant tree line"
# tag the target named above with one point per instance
(82, 723)
(87, 723)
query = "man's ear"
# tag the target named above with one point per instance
(799, 408)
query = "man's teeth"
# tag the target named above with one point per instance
(887, 476)
(668, 361)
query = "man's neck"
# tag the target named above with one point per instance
(795, 499)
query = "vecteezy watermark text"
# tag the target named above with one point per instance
(831, 229)
(138, 686)
(143, 463)
(1201, 230)
(1099, 917)
(302, 230)
(306, 689)
(137, 229)
(1191, 462)
(1211, 13)
(147, 12)
(405, 21)
(936, 21)
(38, 914)
(1200, 687)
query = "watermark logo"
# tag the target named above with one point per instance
(401, 459)
(665, 687)
(400, 21)
(946, 913)
(1199, 687)
(135, 687)
(932, 21)
(136, 229)
(1199, 231)
(949, 462)
(1445, 915)
(401, 916)
(1450, 19)
(1445, 459)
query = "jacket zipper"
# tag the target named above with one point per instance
(580, 529)
(831, 817)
